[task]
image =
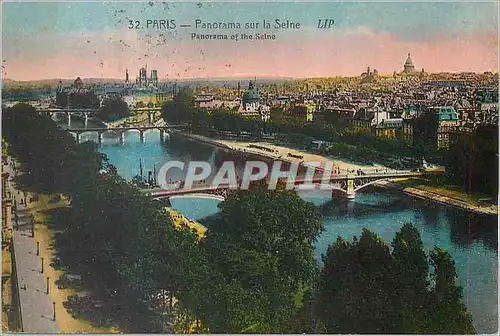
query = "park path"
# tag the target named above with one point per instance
(37, 308)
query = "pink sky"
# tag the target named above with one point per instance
(341, 53)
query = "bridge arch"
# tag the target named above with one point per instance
(151, 130)
(364, 185)
(87, 132)
(198, 195)
(153, 133)
(338, 189)
(128, 129)
(329, 186)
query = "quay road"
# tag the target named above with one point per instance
(279, 153)
(36, 305)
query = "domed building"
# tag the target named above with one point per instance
(409, 68)
(251, 105)
(251, 96)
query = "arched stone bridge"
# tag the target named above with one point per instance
(88, 112)
(347, 184)
(141, 129)
(220, 193)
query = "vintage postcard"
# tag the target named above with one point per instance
(269, 167)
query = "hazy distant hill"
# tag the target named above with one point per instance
(6, 81)
(188, 81)
(233, 82)
(55, 81)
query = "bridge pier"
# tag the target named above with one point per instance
(141, 133)
(351, 194)
(86, 119)
(100, 136)
(77, 137)
(69, 119)
(122, 138)
(164, 136)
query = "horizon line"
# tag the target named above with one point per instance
(250, 76)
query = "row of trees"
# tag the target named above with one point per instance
(122, 243)
(182, 109)
(112, 108)
(468, 161)
(25, 93)
(366, 288)
(472, 161)
(77, 99)
(254, 272)
(355, 146)
(258, 261)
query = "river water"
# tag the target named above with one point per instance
(470, 239)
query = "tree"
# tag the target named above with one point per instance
(113, 108)
(62, 99)
(180, 109)
(448, 313)
(364, 288)
(33, 136)
(471, 160)
(123, 244)
(259, 261)
(355, 288)
(201, 122)
(411, 270)
(83, 99)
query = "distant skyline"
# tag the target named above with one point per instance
(91, 40)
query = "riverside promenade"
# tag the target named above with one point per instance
(275, 152)
(442, 199)
(302, 158)
(36, 305)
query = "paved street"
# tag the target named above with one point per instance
(36, 305)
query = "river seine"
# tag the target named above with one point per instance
(470, 239)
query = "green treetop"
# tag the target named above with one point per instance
(366, 288)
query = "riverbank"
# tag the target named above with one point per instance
(269, 150)
(180, 221)
(379, 211)
(201, 138)
(139, 118)
(275, 152)
(440, 195)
